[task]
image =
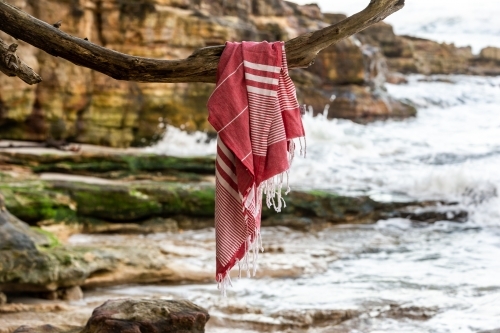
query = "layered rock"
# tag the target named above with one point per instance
(487, 63)
(78, 104)
(407, 54)
(166, 193)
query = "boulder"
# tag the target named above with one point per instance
(16, 234)
(129, 315)
(158, 316)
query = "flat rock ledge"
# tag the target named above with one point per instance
(144, 316)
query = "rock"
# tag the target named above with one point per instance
(427, 57)
(382, 35)
(3, 298)
(431, 214)
(351, 78)
(32, 201)
(158, 316)
(314, 318)
(49, 329)
(94, 108)
(114, 165)
(487, 63)
(102, 205)
(67, 294)
(362, 104)
(80, 105)
(396, 78)
(396, 311)
(406, 54)
(490, 53)
(16, 234)
(491, 331)
(11, 237)
(72, 294)
(128, 315)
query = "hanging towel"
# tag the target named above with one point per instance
(255, 112)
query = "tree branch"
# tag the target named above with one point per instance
(11, 65)
(201, 66)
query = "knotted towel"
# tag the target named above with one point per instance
(255, 112)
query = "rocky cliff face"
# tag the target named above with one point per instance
(78, 104)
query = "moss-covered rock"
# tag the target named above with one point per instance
(328, 206)
(116, 166)
(32, 201)
(51, 269)
(17, 235)
(191, 205)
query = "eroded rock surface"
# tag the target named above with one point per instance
(78, 104)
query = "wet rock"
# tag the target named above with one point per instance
(49, 329)
(153, 225)
(16, 234)
(396, 78)
(72, 294)
(409, 312)
(308, 318)
(290, 221)
(431, 214)
(285, 320)
(115, 165)
(327, 206)
(159, 316)
(145, 206)
(491, 331)
(67, 294)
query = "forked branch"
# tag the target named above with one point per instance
(201, 66)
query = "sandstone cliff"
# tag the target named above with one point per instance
(81, 105)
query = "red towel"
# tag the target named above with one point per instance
(255, 112)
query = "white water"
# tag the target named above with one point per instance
(450, 151)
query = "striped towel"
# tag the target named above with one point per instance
(255, 112)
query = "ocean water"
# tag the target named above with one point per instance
(463, 22)
(443, 277)
(397, 275)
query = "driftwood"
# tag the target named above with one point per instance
(11, 65)
(201, 66)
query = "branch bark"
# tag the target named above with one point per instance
(201, 66)
(11, 65)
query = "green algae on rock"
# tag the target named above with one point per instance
(114, 166)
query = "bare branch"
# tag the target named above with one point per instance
(11, 65)
(201, 66)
